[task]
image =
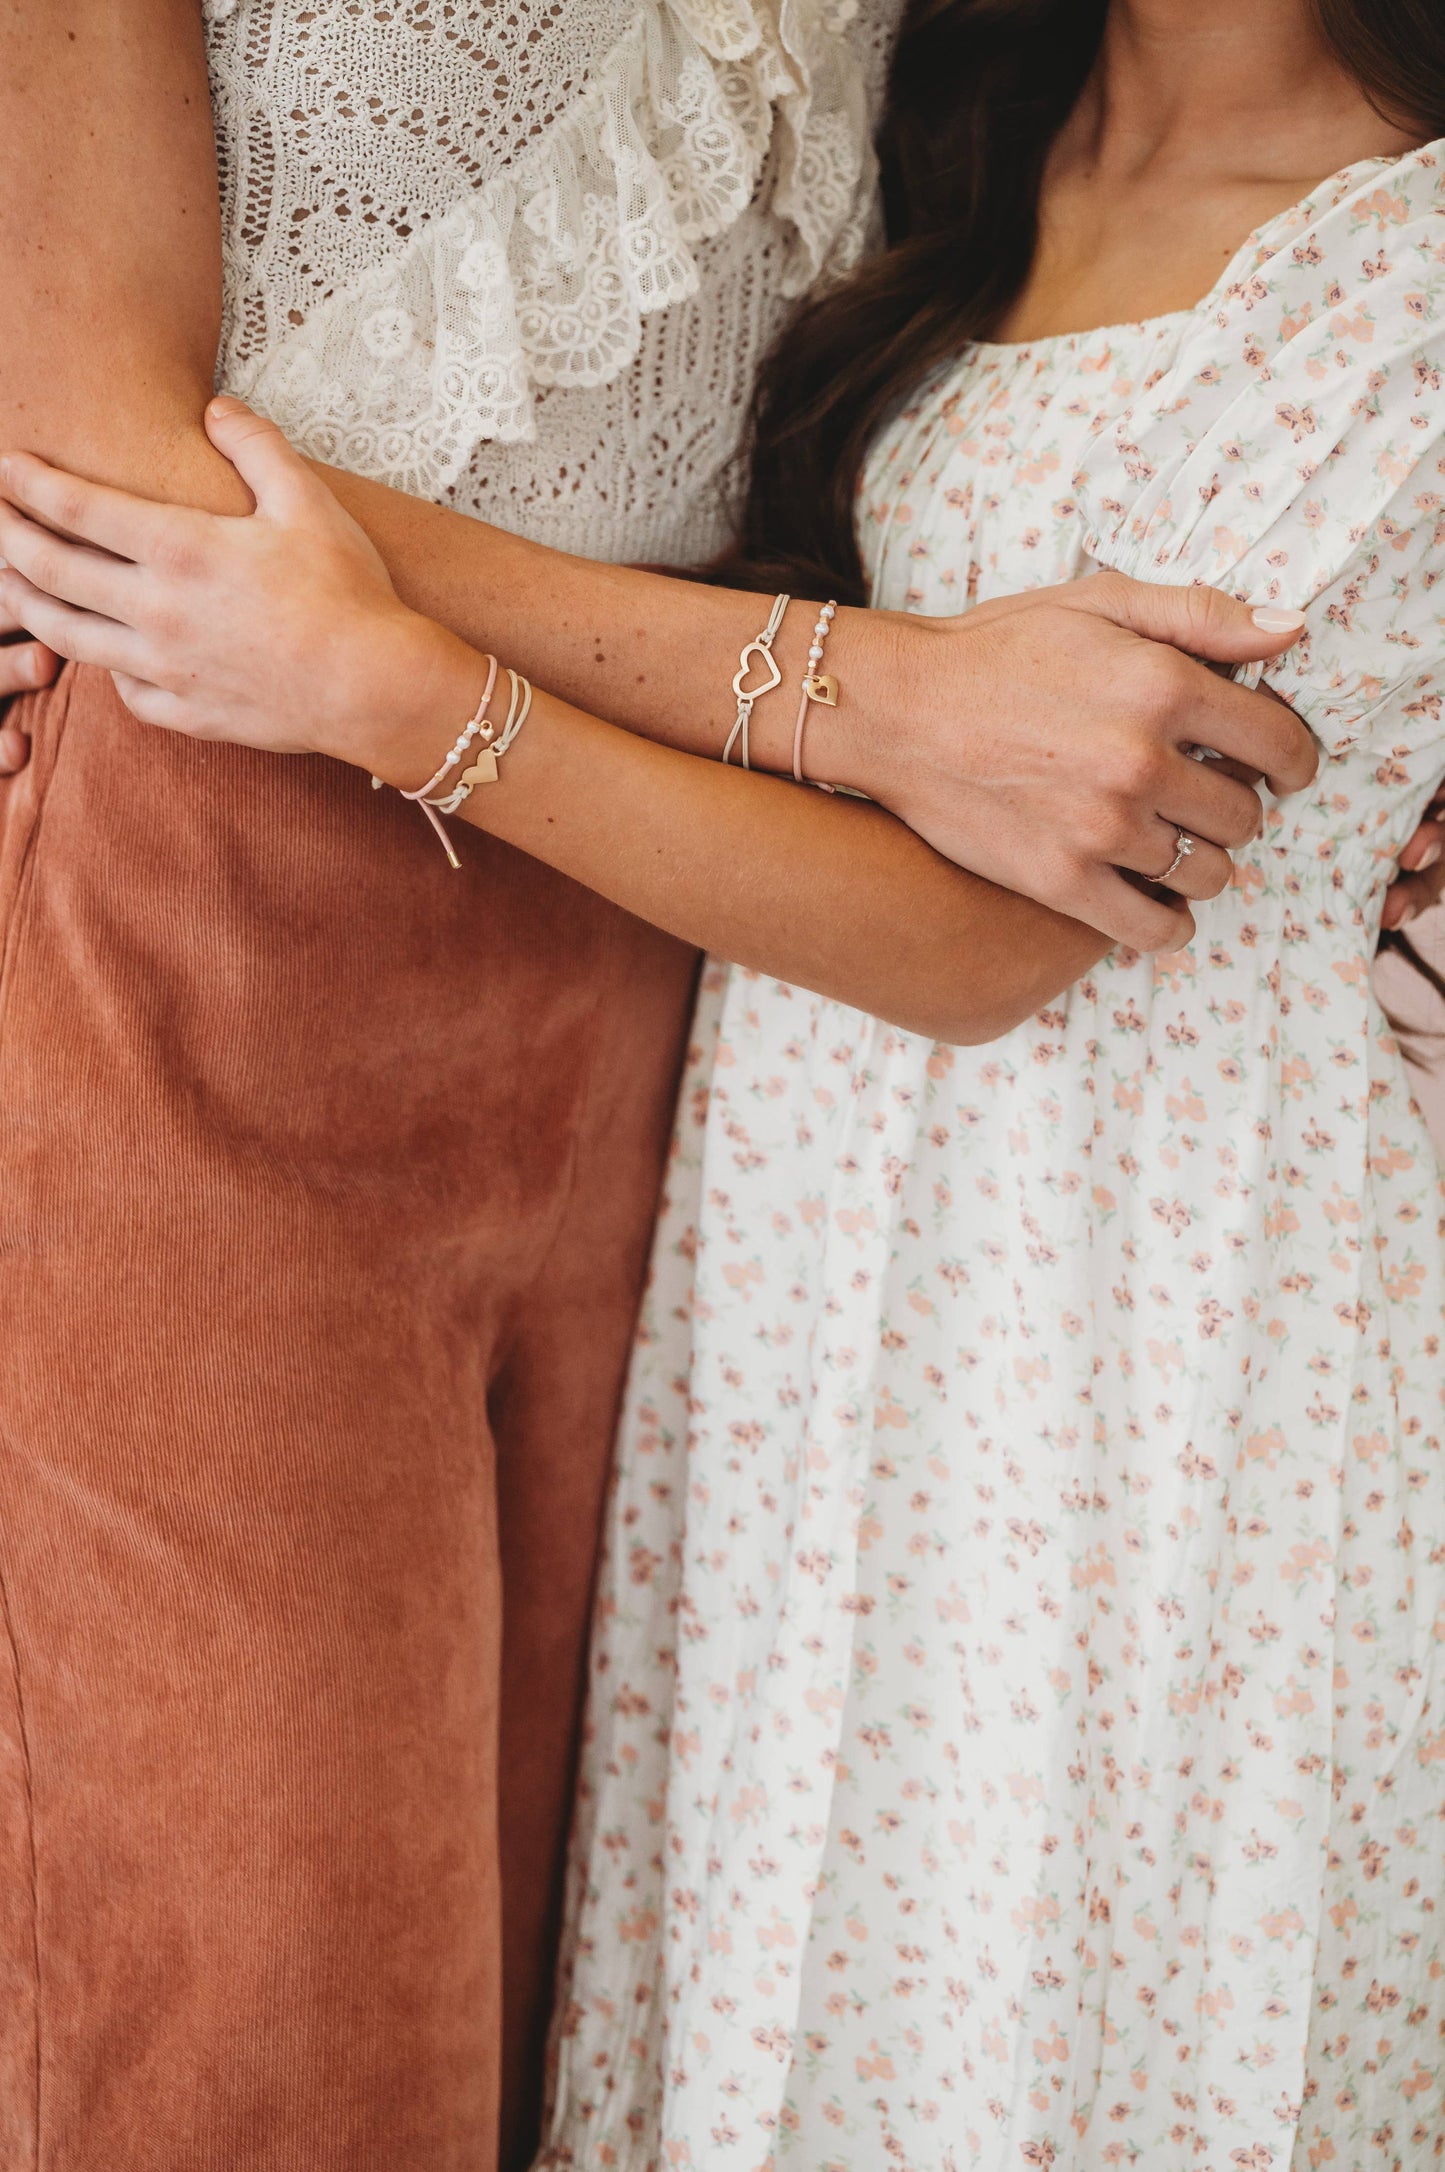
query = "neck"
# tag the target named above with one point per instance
(1245, 86)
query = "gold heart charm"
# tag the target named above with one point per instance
(755, 693)
(483, 769)
(818, 687)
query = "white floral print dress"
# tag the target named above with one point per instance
(1017, 1732)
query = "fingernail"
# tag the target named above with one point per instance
(1429, 858)
(1272, 619)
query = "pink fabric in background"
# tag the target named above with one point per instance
(1418, 1008)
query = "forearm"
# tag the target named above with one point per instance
(826, 893)
(110, 244)
(653, 654)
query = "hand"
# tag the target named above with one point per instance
(1421, 880)
(278, 630)
(24, 666)
(1049, 737)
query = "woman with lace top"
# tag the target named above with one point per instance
(819, 1297)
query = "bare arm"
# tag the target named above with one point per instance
(321, 656)
(827, 893)
(109, 261)
(1037, 740)
(110, 244)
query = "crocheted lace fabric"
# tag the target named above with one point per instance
(567, 227)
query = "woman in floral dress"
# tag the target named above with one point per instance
(1018, 1724)
(1018, 1720)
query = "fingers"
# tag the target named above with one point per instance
(1410, 895)
(277, 478)
(1420, 884)
(73, 572)
(1204, 871)
(14, 749)
(1254, 727)
(1426, 848)
(1203, 799)
(80, 635)
(152, 704)
(25, 665)
(1128, 913)
(112, 520)
(1199, 621)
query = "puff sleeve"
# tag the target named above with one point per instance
(1294, 451)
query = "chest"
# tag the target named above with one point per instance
(426, 94)
(969, 493)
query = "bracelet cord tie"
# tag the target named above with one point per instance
(446, 792)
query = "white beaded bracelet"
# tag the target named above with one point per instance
(483, 770)
(817, 686)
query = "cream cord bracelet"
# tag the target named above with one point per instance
(761, 647)
(483, 769)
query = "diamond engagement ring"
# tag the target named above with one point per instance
(1183, 845)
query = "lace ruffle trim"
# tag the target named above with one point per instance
(544, 275)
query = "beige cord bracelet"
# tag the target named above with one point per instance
(439, 795)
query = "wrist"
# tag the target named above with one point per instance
(865, 743)
(421, 685)
(850, 744)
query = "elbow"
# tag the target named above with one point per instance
(978, 1030)
(969, 1020)
(969, 1008)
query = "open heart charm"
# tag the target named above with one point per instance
(483, 769)
(763, 651)
(819, 687)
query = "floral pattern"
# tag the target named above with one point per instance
(1017, 1734)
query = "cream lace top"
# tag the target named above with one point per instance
(527, 258)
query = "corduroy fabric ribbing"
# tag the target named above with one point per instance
(310, 1151)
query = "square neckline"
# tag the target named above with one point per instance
(1297, 212)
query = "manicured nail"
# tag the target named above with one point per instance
(1272, 619)
(1429, 858)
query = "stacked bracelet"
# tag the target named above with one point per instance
(761, 648)
(817, 687)
(446, 792)
(484, 769)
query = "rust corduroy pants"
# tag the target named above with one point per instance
(326, 1179)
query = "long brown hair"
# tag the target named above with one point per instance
(979, 90)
